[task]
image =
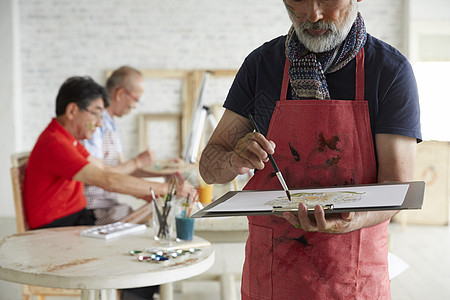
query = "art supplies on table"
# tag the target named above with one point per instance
(163, 218)
(183, 220)
(338, 199)
(180, 251)
(113, 230)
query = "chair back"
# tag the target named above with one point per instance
(19, 163)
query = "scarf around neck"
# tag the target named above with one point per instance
(307, 72)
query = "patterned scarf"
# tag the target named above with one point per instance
(307, 72)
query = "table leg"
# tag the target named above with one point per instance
(166, 291)
(109, 294)
(228, 287)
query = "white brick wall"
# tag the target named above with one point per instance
(62, 38)
(386, 19)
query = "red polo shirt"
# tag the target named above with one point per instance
(49, 191)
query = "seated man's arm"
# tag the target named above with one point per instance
(100, 175)
(124, 167)
(134, 166)
(96, 173)
(128, 167)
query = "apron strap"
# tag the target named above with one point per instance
(285, 83)
(359, 78)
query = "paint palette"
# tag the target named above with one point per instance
(113, 230)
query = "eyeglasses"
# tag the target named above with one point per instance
(136, 99)
(98, 116)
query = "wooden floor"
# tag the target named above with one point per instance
(426, 249)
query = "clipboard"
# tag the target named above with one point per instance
(336, 199)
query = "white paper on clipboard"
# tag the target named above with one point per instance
(364, 196)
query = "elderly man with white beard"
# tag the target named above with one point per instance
(342, 108)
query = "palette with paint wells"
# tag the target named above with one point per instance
(113, 230)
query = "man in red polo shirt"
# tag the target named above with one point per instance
(59, 165)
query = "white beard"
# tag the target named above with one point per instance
(330, 39)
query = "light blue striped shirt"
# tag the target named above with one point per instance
(95, 144)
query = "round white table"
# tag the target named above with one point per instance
(61, 258)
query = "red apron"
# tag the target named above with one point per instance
(318, 143)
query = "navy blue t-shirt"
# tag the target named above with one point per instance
(390, 87)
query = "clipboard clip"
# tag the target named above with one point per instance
(326, 208)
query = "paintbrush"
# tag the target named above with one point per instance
(158, 213)
(272, 161)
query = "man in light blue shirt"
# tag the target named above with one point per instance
(125, 86)
(95, 144)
